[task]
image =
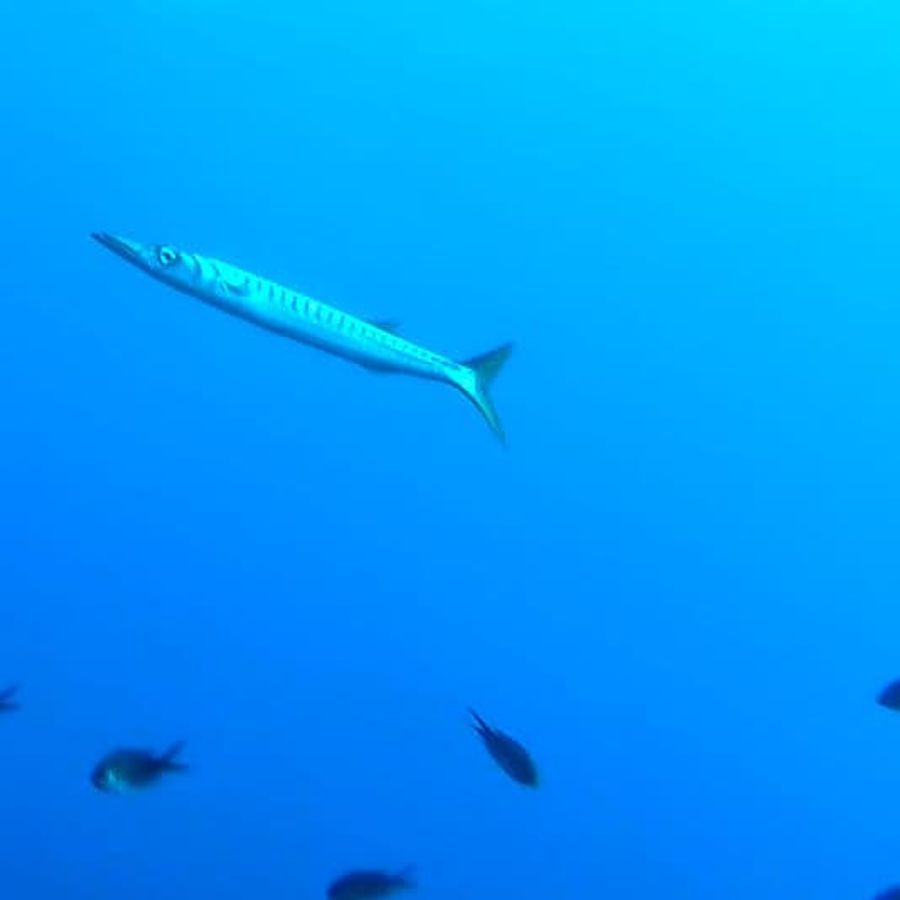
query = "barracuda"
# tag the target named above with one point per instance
(374, 345)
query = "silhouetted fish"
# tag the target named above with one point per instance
(369, 884)
(892, 893)
(890, 695)
(509, 754)
(8, 702)
(128, 769)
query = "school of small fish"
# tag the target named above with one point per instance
(374, 345)
(129, 769)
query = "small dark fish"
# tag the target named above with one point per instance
(8, 702)
(370, 884)
(892, 893)
(509, 754)
(128, 769)
(890, 695)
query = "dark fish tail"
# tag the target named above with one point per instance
(168, 761)
(479, 724)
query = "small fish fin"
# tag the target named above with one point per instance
(388, 325)
(379, 368)
(168, 759)
(486, 367)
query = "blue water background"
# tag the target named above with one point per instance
(678, 585)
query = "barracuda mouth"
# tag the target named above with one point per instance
(129, 250)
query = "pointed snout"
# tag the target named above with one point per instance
(130, 250)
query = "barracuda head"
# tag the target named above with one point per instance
(162, 261)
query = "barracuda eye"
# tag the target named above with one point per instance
(166, 256)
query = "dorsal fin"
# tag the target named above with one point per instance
(388, 325)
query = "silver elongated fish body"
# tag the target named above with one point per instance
(309, 321)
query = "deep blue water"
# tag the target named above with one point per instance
(678, 585)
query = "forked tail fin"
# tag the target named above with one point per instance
(485, 368)
(168, 760)
(479, 724)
